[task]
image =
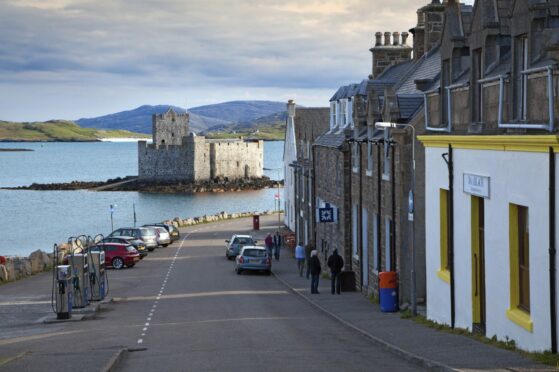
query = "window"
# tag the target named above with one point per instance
(343, 113)
(355, 156)
(375, 241)
(354, 225)
(520, 79)
(519, 255)
(444, 93)
(444, 271)
(350, 112)
(387, 155)
(332, 114)
(369, 152)
(387, 244)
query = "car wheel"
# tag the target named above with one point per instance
(151, 249)
(165, 245)
(117, 263)
(131, 265)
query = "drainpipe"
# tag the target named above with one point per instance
(350, 214)
(313, 201)
(552, 253)
(360, 213)
(380, 143)
(450, 165)
(393, 226)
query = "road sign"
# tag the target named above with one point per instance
(326, 214)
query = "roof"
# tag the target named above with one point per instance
(427, 67)
(409, 105)
(316, 117)
(394, 73)
(331, 139)
(350, 90)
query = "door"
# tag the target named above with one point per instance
(478, 264)
(365, 256)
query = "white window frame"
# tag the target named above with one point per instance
(369, 171)
(350, 113)
(355, 157)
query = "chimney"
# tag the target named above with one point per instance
(291, 108)
(395, 38)
(387, 38)
(378, 37)
(389, 53)
(404, 37)
(428, 31)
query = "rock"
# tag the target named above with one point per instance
(10, 269)
(3, 273)
(39, 261)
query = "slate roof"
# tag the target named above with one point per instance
(409, 105)
(331, 139)
(317, 117)
(427, 67)
(350, 90)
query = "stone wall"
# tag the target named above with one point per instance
(15, 268)
(164, 162)
(170, 128)
(235, 159)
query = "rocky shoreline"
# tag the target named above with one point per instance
(131, 183)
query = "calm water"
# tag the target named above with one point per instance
(31, 220)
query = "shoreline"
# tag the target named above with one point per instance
(131, 183)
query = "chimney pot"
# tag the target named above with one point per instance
(378, 37)
(387, 38)
(395, 38)
(404, 37)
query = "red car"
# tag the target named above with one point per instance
(118, 255)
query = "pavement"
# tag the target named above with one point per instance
(428, 347)
(184, 308)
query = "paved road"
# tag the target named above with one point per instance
(183, 308)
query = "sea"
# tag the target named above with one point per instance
(31, 220)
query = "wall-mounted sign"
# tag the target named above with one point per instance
(476, 185)
(326, 214)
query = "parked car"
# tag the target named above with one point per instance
(117, 255)
(138, 244)
(253, 258)
(172, 229)
(163, 236)
(145, 234)
(235, 244)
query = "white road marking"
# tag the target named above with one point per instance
(140, 341)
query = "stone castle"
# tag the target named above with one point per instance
(177, 154)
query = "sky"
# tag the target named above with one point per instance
(68, 59)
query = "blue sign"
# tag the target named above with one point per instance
(326, 214)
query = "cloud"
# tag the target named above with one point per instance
(147, 50)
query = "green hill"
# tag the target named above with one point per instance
(58, 130)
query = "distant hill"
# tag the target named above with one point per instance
(271, 127)
(201, 118)
(57, 130)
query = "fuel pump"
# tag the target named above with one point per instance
(98, 279)
(80, 279)
(63, 292)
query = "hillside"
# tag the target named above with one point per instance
(57, 130)
(201, 118)
(270, 127)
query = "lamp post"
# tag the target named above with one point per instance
(112, 211)
(411, 208)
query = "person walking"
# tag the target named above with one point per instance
(278, 241)
(315, 271)
(269, 243)
(300, 257)
(335, 263)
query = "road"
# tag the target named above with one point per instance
(183, 308)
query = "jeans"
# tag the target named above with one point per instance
(308, 269)
(300, 265)
(277, 252)
(336, 283)
(314, 283)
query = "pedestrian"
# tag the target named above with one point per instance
(335, 263)
(300, 257)
(315, 271)
(278, 241)
(269, 243)
(308, 249)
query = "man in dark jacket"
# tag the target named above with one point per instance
(314, 264)
(335, 263)
(278, 241)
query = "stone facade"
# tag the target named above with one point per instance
(177, 155)
(389, 53)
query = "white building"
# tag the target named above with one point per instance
(289, 156)
(504, 230)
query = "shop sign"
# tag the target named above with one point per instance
(476, 185)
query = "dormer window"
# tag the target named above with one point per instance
(350, 112)
(477, 88)
(332, 115)
(343, 112)
(445, 81)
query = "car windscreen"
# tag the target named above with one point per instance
(244, 241)
(147, 231)
(130, 248)
(254, 253)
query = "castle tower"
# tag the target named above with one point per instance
(170, 128)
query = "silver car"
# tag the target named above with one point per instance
(234, 245)
(253, 258)
(163, 236)
(145, 234)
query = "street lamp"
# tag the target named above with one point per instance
(385, 125)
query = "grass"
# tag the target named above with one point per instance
(546, 357)
(267, 132)
(57, 130)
